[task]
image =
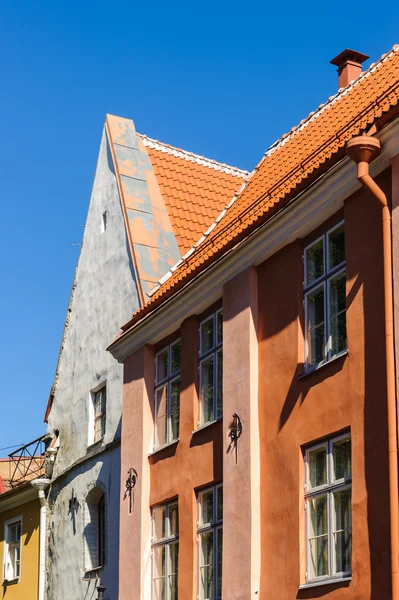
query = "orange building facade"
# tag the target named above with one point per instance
(259, 457)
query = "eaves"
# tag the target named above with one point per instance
(296, 220)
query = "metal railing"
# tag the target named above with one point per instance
(28, 461)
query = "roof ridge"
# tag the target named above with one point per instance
(278, 144)
(191, 156)
(331, 100)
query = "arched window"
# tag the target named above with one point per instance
(95, 538)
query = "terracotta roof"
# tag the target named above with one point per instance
(194, 188)
(287, 164)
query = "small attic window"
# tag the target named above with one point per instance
(104, 222)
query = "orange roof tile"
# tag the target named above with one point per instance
(288, 163)
(195, 189)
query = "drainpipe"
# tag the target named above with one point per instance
(40, 485)
(363, 150)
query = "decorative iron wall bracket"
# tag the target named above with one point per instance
(235, 432)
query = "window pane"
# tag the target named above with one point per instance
(219, 389)
(173, 570)
(206, 391)
(206, 565)
(14, 533)
(342, 531)
(338, 313)
(219, 327)
(161, 421)
(17, 570)
(99, 404)
(158, 523)
(318, 557)
(219, 560)
(207, 335)
(317, 465)
(336, 246)
(159, 572)
(342, 458)
(343, 551)
(219, 496)
(174, 410)
(314, 257)
(315, 326)
(175, 358)
(206, 507)
(342, 509)
(318, 517)
(162, 365)
(173, 519)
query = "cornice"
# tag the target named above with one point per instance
(16, 497)
(301, 216)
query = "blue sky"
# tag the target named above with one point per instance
(222, 79)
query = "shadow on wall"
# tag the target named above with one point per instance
(364, 268)
(78, 508)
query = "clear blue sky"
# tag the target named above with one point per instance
(222, 79)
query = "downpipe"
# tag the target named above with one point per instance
(40, 485)
(363, 150)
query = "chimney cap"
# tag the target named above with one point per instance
(348, 55)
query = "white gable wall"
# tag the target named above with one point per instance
(104, 298)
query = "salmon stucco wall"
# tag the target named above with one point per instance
(348, 393)
(176, 471)
(27, 587)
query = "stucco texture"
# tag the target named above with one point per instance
(105, 297)
(348, 393)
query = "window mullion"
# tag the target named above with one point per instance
(331, 549)
(327, 319)
(215, 375)
(168, 412)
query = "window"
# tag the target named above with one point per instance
(328, 508)
(165, 551)
(104, 222)
(211, 368)
(99, 405)
(167, 394)
(210, 541)
(95, 529)
(325, 297)
(12, 549)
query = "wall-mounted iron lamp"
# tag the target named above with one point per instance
(235, 432)
(130, 485)
(101, 589)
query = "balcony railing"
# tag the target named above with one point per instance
(28, 462)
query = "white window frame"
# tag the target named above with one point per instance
(322, 282)
(168, 381)
(216, 526)
(7, 525)
(328, 489)
(203, 356)
(92, 414)
(166, 542)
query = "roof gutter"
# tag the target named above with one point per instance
(363, 150)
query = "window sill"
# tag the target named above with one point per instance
(7, 582)
(95, 444)
(160, 448)
(92, 573)
(205, 425)
(330, 581)
(323, 364)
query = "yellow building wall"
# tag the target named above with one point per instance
(27, 587)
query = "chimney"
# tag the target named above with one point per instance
(349, 64)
